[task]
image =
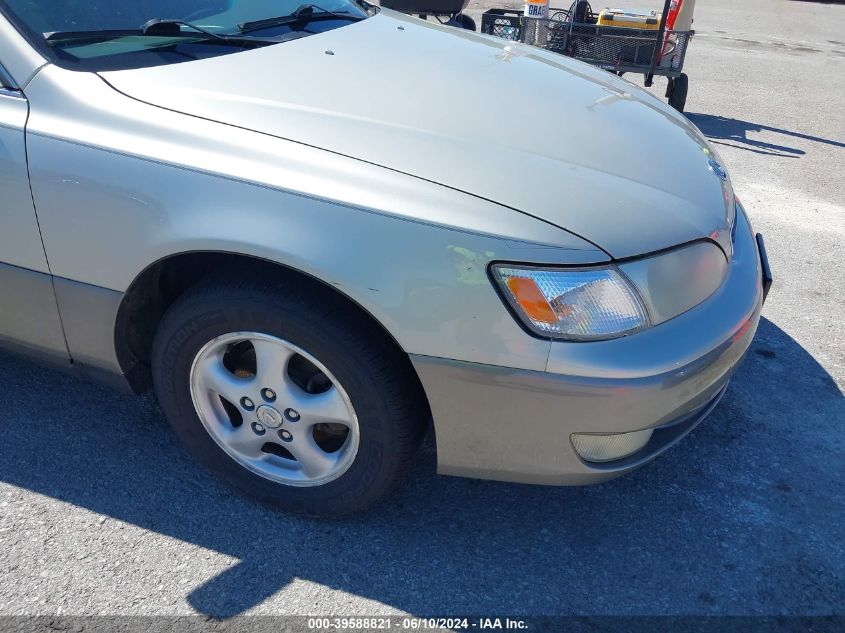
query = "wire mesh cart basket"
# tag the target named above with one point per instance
(578, 33)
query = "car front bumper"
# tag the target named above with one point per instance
(515, 425)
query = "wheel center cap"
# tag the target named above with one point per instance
(269, 417)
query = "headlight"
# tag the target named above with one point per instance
(584, 305)
(678, 280)
(590, 304)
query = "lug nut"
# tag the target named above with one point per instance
(285, 435)
(292, 415)
(268, 394)
(247, 404)
(257, 428)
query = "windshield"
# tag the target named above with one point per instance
(109, 34)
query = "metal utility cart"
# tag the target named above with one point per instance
(444, 11)
(577, 33)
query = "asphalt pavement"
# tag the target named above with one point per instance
(102, 512)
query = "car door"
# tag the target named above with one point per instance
(29, 317)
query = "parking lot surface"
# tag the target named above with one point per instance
(101, 511)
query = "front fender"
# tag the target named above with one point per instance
(119, 184)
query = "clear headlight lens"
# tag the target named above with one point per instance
(678, 280)
(586, 304)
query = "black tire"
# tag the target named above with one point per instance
(462, 21)
(580, 11)
(677, 92)
(391, 408)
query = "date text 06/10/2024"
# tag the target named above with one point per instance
(416, 624)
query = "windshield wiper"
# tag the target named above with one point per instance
(153, 28)
(304, 13)
(369, 8)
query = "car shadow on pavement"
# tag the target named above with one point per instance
(742, 517)
(734, 132)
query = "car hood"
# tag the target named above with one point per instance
(531, 130)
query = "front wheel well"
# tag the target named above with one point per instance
(159, 285)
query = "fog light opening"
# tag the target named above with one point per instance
(607, 448)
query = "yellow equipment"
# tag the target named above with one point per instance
(629, 19)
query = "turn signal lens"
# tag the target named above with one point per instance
(585, 304)
(531, 300)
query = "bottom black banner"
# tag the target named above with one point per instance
(367, 624)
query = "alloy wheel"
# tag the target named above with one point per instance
(274, 409)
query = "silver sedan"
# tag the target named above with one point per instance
(315, 230)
